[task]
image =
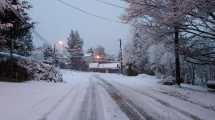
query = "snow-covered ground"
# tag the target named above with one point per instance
(97, 96)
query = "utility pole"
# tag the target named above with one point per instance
(55, 57)
(177, 46)
(121, 58)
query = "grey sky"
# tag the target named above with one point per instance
(55, 21)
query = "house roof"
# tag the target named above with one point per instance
(104, 66)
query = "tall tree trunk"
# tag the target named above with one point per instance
(193, 74)
(11, 48)
(177, 57)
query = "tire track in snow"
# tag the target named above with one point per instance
(156, 99)
(184, 99)
(54, 107)
(132, 111)
(93, 103)
(68, 109)
(89, 107)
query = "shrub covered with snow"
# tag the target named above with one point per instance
(41, 71)
(28, 68)
(168, 80)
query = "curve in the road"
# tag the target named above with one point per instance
(145, 94)
(132, 111)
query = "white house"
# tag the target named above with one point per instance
(105, 67)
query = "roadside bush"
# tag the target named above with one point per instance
(168, 80)
(23, 69)
(12, 72)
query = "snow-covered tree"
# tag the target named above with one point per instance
(90, 51)
(48, 53)
(75, 44)
(161, 14)
(199, 33)
(134, 53)
(25, 45)
(3, 6)
(75, 49)
(184, 29)
(16, 30)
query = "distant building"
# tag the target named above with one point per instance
(105, 67)
(63, 61)
(88, 58)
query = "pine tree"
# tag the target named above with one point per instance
(25, 45)
(90, 51)
(18, 36)
(48, 53)
(75, 49)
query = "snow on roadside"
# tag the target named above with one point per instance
(71, 76)
(111, 109)
(74, 99)
(30, 100)
(135, 81)
(70, 106)
(189, 101)
(193, 94)
(38, 100)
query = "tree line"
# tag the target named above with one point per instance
(172, 38)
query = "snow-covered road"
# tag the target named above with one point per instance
(96, 96)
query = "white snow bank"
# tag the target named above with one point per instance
(41, 71)
(136, 81)
(29, 101)
(71, 76)
(145, 91)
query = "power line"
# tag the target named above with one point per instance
(121, 7)
(139, 3)
(86, 12)
(40, 36)
(110, 4)
(118, 6)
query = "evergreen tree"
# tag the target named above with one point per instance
(90, 51)
(17, 36)
(48, 53)
(75, 49)
(25, 45)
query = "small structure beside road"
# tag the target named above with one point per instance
(105, 67)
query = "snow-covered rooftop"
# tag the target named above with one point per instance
(104, 65)
(87, 55)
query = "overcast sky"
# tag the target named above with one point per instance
(55, 21)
